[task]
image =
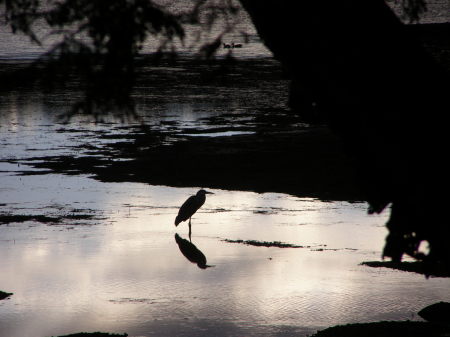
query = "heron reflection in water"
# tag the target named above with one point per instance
(191, 252)
(190, 206)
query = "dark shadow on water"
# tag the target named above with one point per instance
(109, 94)
(221, 98)
(419, 267)
(384, 95)
(191, 252)
(311, 159)
(99, 95)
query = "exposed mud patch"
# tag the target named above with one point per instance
(4, 295)
(64, 217)
(413, 267)
(256, 243)
(9, 218)
(94, 334)
(278, 244)
(383, 329)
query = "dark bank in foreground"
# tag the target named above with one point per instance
(387, 329)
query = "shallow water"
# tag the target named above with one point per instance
(19, 47)
(123, 271)
(110, 261)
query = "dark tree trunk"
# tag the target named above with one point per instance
(355, 66)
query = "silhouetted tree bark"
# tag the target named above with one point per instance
(355, 67)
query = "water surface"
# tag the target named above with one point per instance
(109, 261)
(106, 259)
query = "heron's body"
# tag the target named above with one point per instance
(189, 207)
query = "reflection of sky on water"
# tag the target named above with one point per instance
(126, 273)
(30, 126)
(123, 272)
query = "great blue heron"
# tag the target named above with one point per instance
(190, 206)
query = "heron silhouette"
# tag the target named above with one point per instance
(190, 206)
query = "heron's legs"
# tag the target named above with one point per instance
(190, 229)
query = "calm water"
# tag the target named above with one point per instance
(19, 47)
(112, 262)
(124, 272)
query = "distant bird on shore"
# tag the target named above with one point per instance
(190, 206)
(232, 45)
